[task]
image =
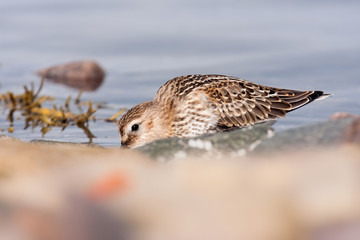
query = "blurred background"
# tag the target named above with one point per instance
(142, 44)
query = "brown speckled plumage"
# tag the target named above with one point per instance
(192, 105)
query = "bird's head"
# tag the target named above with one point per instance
(142, 124)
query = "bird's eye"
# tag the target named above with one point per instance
(134, 127)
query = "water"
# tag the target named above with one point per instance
(141, 44)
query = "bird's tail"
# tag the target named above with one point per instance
(302, 98)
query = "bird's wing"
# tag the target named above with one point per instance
(241, 103)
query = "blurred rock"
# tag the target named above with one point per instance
(79, 219)
(83, 75)
(302, 183)
(347, 230)
(340, 115)
(352, 132)
(309, 195)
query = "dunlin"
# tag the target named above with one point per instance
(193, 105)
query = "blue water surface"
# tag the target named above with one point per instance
(141, 44)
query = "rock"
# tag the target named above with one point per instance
(237, 142)
(258, 139)
(352, 132)
(340, 115)
(84, 75)
(9, 138)
(322, 134)
(52, 142)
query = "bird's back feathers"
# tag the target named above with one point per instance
(238, 102)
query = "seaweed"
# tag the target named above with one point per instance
(30, 105)
(114, 117)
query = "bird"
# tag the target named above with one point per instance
(193, 105)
